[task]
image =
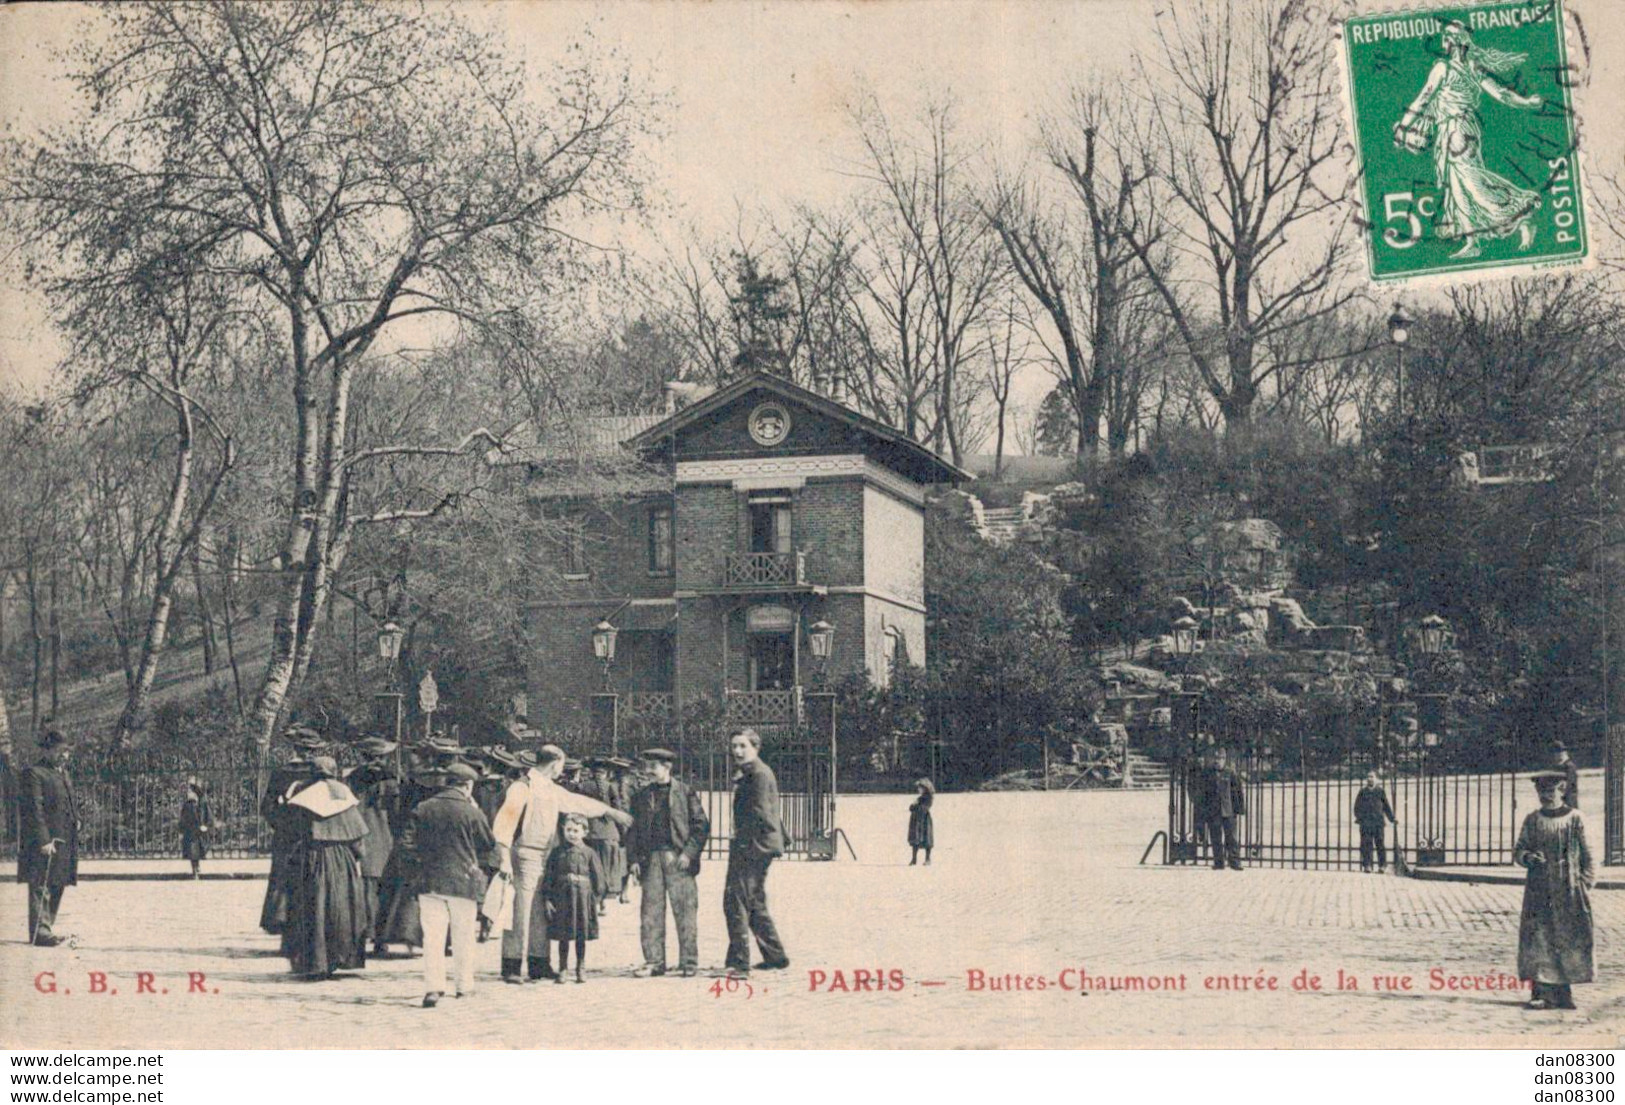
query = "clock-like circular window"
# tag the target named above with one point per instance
(769, 424)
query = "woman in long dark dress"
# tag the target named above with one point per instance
(921, 832)
(327, 905)
(572, 886)
(284, 780)
(194, 825)
(397, 919)
(1555, 932)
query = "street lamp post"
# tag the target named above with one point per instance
(821, 636)
(603, 647)
(390, 637)
(1185, 629)
(1399, 332)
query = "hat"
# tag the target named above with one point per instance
(622, 763)
(548, 753)
(1543, 777)
(444, 745)
(52, 738)
(459, 772)
(658, 755)
(375, 746)
(500, 755)
(927, 784)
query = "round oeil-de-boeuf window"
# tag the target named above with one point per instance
(769, 424)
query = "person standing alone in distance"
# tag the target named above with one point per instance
(921, 830)
(758, 839)
(1373, 813)
(47, 837)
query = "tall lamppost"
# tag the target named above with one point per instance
(1399, 332)
(390, 637)
(821, 636)
(603, 647)
(1185, 630)
(1432, 639)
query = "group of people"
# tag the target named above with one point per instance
(437, 846)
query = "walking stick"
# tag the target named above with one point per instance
(33, 936)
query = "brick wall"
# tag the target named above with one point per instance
(829, 525)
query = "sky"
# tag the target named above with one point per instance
(756, 92)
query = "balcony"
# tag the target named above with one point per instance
(766, 571)
(764, 707)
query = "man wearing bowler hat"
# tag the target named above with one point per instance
(47, 837)
(663, 849)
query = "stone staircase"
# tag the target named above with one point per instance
(1000, 524)
(1146, 773)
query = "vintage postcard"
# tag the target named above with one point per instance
(888, 525)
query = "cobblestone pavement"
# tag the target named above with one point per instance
(1026, 889)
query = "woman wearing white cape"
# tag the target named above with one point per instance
(1476, 202)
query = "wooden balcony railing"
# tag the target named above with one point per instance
(764, 707)
(766, 569)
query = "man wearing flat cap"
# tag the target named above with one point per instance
(47, 837)
(663, 849)
(453, 854)
(526, 829)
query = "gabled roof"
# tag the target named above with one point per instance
(940, 469)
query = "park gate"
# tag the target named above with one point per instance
(1451, 805)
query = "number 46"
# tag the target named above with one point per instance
(1396, 207)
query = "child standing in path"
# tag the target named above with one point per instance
(572, 886)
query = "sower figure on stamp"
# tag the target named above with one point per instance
(1220, 800)
(47, 837)
(1373, 813)
(663, 849)
(758, 839)
(452, 855)
(526, 829)
(1555, 931)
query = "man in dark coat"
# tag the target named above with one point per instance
(758, 839)
(1373, 813)
(47, 837)
(375, 785)
(453, 855)
(663, 849)
(1220, 800)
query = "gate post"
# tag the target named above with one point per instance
(819, 707)
(605, 716)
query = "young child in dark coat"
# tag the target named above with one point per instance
(572, 886)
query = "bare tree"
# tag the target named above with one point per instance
(1079, 266)
(930, 250)
(356, 166)
(1242, 131)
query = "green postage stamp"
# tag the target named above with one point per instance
(1463, 119)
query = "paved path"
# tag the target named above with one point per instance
(1026, 889)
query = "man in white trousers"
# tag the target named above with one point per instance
(454, 853)
(525, 829)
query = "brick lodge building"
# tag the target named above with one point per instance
(756, 512)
